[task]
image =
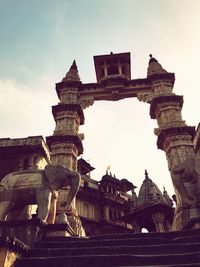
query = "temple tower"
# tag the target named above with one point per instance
(66, 143)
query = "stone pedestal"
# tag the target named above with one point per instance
(54, 230)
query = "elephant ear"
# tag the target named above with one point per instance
(51, 173)
(54, 172)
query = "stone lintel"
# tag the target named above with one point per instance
(66, 84)
(69, 107)
(164, 99)
(174, 131)
(127, 88)
(120, 81)
(100, 91)
(74, 139)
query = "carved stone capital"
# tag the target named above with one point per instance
(145, 97)
(85, 102)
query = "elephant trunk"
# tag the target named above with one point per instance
(75, 179)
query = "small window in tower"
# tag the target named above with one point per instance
(113, 70)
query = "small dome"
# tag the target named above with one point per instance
(149, 193)
(154, 67)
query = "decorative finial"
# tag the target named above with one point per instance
(164, 190)
(146, 174)
(72, 74)
(111, 53)
(108, 168)
(150, 55)
(74, 66)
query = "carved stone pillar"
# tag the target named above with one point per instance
(106, 213)
(174, 136)
(158, 219)
(66, 142)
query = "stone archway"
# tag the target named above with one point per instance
(114, 83)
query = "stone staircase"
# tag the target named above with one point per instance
(174, 249)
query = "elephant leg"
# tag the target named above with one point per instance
(186, 199)
(52, 212)
(5, 207)
(43, 199)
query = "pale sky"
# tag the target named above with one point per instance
(40, 39)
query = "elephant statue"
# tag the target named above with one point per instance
(186, 180)
(21, 188)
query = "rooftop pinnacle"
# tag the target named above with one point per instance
(72, 74)
(154, 67)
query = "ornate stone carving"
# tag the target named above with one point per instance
(145, 97)
(86, 102)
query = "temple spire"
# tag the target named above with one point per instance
(154, 67)
(72, 74)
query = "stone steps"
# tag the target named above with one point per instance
(107, 250)
(165, 250)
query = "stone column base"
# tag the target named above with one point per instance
(53, 230)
